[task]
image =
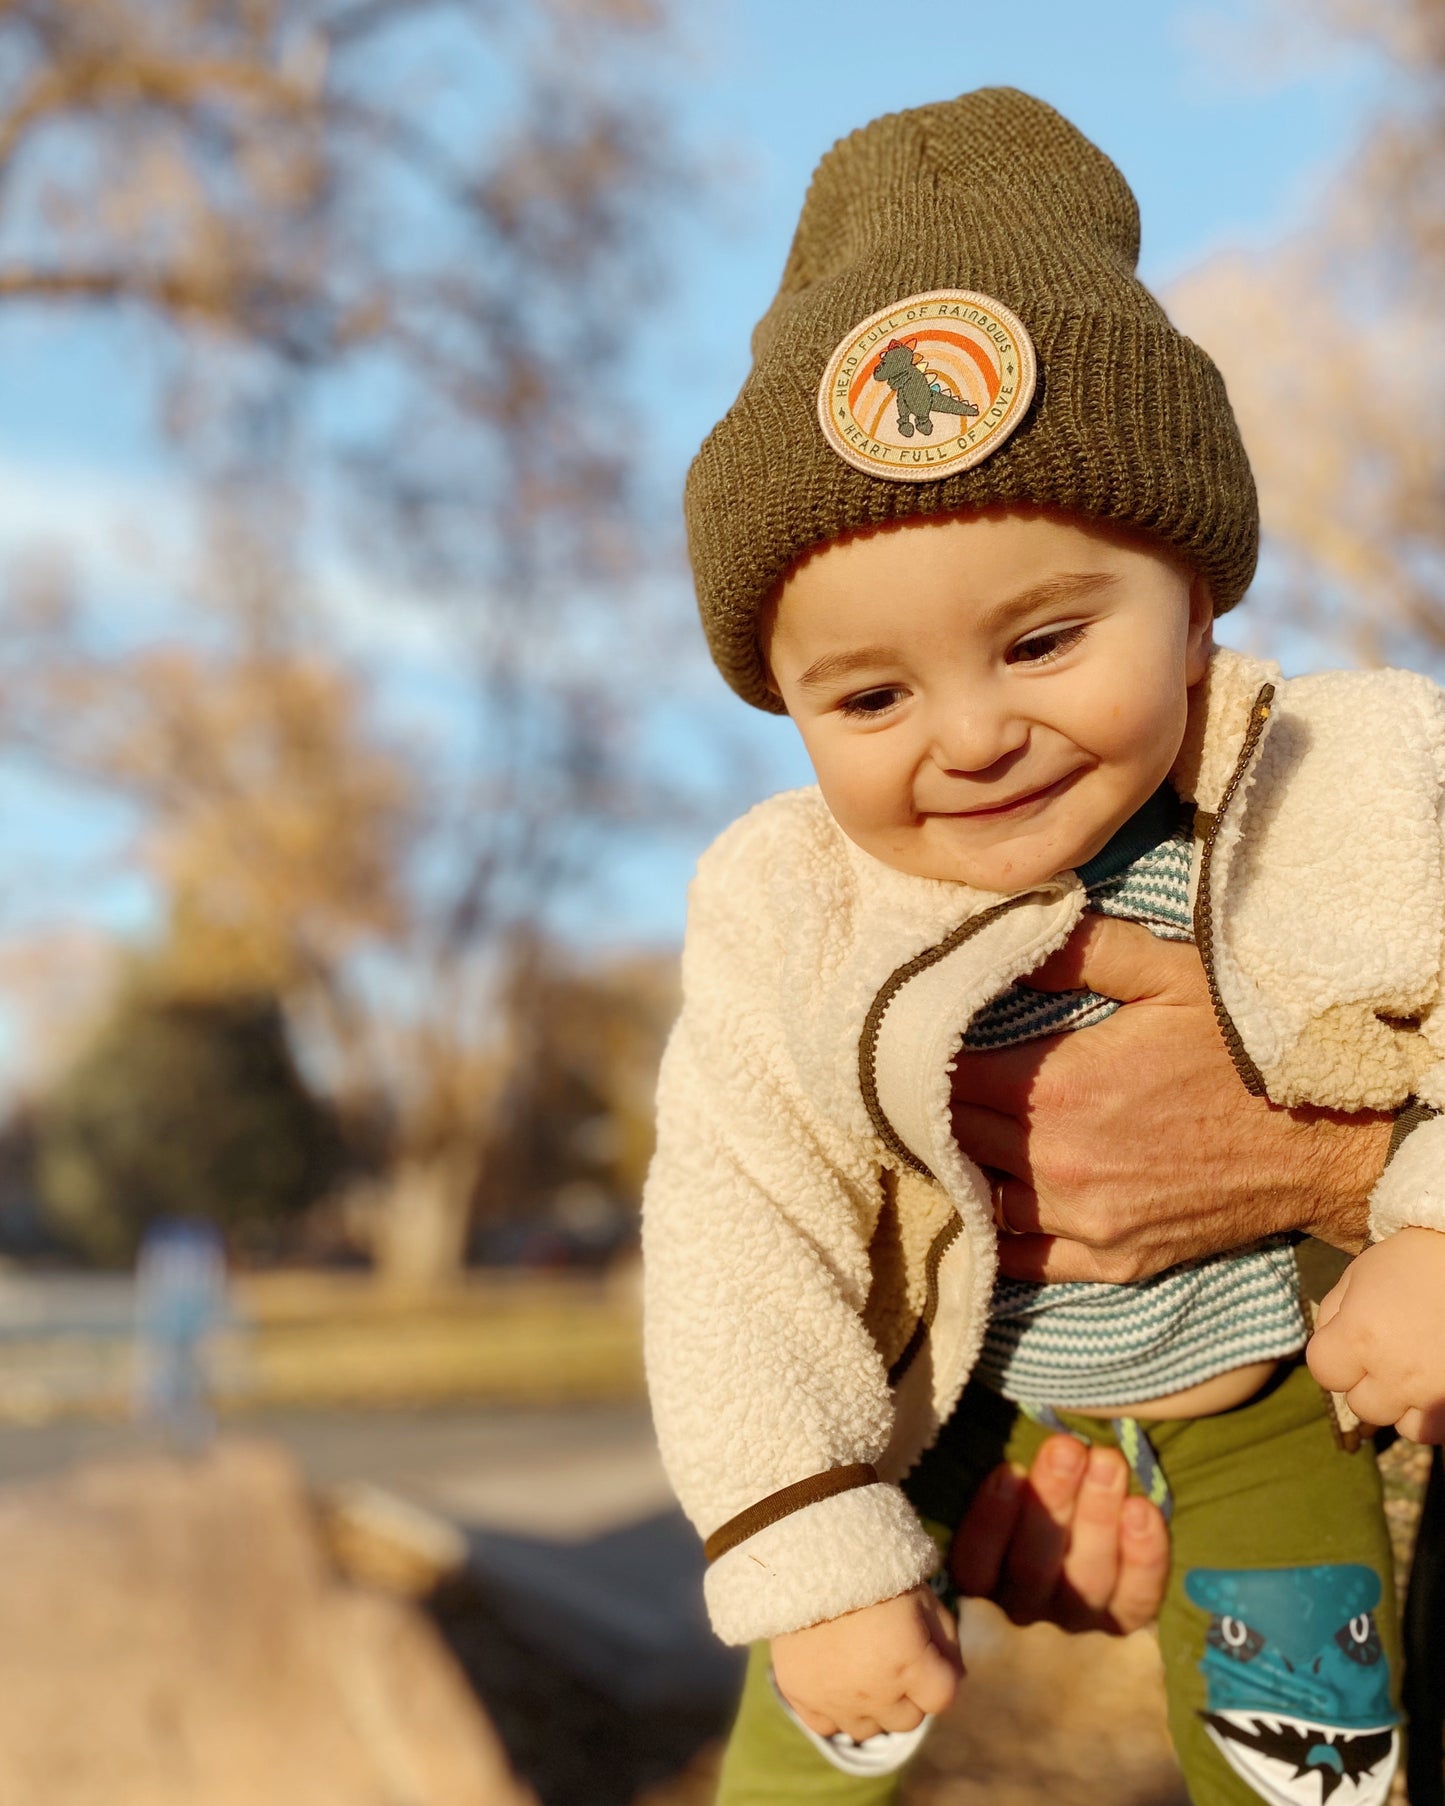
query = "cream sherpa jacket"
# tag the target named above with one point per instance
(819, 1254)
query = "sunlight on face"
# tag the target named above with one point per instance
(988, 697)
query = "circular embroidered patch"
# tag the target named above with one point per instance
(928, 386)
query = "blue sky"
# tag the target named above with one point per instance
(1225, 133)
(1228, 127)
(1226, 138)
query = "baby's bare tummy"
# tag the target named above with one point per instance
(1220, 1393)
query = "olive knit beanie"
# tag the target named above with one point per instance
(960, 324)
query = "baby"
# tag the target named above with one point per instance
(969, 524)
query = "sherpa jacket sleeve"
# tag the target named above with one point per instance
(756, 1222)
(1411, 1191)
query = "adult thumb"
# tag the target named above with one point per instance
(1124, 961)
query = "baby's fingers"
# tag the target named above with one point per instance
(1329, 1305)
(815, 1721)
(946, 1636)
(943, 1629)
(1427, 1425)
(1334, 1358)
(1375, 1402)
(905, 1716)
(932, 1681)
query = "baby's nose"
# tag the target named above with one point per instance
(971, 741)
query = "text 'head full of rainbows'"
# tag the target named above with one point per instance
(929, 385)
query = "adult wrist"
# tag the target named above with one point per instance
(1351, 1154)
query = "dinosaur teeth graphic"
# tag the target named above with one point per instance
(1298, 1681)
(1295, 1762)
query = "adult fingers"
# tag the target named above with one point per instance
(1122, 960)
(1143, 1566)
(1057, 1473)
(1054, 1259)
(1116, 1565)
(1025, 1256)
(1091, 1563)
(1063, 971)
(1001, 1079)
(981, 1541)
(1035, 1559)
(991, 1139)
(1015, 1207)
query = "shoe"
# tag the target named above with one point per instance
(880, 1755)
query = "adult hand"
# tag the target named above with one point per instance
(1063, 1542)
(1133, 1145)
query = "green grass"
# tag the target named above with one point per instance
(321, 1339)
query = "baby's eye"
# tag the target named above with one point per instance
(1039, 648)
(870, 702)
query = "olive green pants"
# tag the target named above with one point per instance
(1278, 1627)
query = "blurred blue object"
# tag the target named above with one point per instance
(181, 1303)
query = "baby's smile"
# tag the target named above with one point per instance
(987, 698)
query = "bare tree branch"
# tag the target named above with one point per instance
(381, 328)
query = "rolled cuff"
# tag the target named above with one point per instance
(1411, 1190)
(836, 1556)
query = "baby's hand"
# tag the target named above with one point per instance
(1381, 1335)
(879, 1669)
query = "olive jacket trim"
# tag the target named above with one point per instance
(819, 1253)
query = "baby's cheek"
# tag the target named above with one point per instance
(1148, 725)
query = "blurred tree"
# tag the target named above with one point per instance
(398, 255)
(576, 1112)
(1331, 346)
(181, 1107)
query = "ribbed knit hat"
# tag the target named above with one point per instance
(996, 195)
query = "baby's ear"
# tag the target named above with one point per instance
(1200, 644)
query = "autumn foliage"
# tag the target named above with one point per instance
(373, 248)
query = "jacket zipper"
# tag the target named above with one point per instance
(1203, 912)
(872, 1024)
(889, 1136)
(878, 1009)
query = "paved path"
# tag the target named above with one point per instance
(565, 1474)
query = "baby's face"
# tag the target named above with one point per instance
(987, 698)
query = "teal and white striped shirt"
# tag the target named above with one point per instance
(1088, 1344)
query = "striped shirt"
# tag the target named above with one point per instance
(1089, 1344)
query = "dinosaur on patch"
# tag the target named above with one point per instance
(902, 368)
(1299, 1686)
